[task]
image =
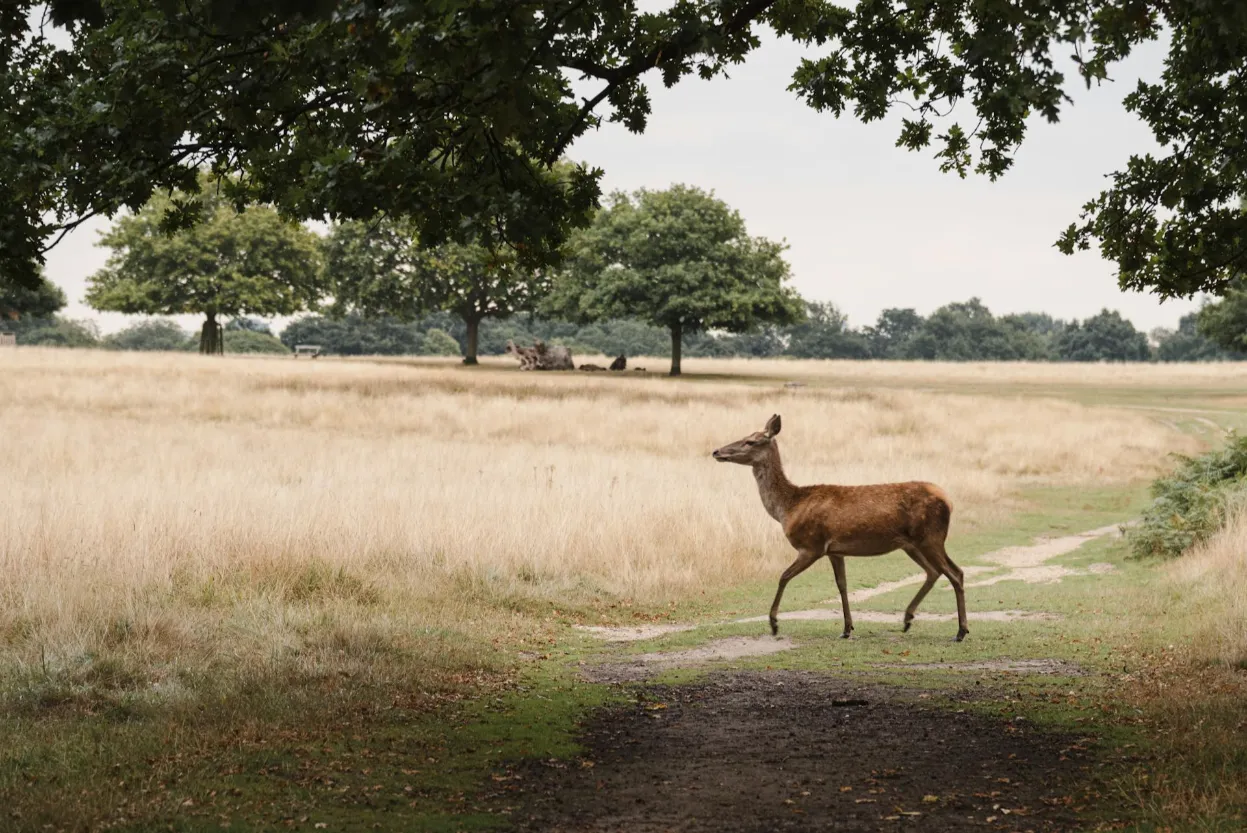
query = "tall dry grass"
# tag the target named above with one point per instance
(1211, 583)
(170, 523)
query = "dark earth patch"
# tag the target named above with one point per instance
(799, 751)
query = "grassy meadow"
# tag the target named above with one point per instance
(212, 566)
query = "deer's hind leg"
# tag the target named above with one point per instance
(933, 575)
(938, 556)
(837, 564)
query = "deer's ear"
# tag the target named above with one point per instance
(772, 426)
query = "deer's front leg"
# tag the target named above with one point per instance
(804, 559)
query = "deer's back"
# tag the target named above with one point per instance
(868, 520)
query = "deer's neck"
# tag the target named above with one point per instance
(778, 493)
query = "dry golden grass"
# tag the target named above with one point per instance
(1211, 581)
(170, 523)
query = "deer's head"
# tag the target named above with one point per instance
(752, 448)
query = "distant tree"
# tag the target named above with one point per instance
(969, 332)
(1187, 344)
(825, 334)
(58, 332)
(679, 259)
(230, 264)
(1224, 322)
(40, 302)
(153, 334)
(355, 335)
(890, 336)
(1037, 322)
(381, 270)
(630, 338)
(1103, 337)
(241, 340)
(440, 343)
(253, 325)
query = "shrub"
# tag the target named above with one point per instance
(440, 343)
(253, 341)
(152, 334)
(1193, 502)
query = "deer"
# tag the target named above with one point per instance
(842, 521)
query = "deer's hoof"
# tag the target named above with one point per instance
(961, 634)
(908, 622)
(846, 634)
(774, 628)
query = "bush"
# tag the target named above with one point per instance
(1191, 504)
(253, 341)
(154, 334)
(57, 332)
(440, 343)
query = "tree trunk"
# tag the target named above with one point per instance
(677, 337)
(211, 339)
(469, 350)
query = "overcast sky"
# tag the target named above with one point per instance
(870, 225)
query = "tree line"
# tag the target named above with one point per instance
(660, 273)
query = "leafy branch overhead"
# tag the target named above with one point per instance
(455, 113)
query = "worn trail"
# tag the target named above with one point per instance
(797, 751)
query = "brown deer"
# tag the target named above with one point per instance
(839, 521)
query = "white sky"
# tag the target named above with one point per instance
(870, 225)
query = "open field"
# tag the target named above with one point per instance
(259, 549)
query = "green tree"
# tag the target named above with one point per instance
(43, 300)
(455, 112)
(969, 332)
(59, 332)
(381, 270)
(252, 341)
(678, 259)
(355, 335)
(439, 343)
(825, 334)
(1224, 322)
(890, 336)
(231, 264)
(1105, 337)
(153, 334)
(1188, 344)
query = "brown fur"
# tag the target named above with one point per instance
(620, 363)
(841, 521)
(591, 367)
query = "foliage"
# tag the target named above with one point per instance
(251, 341)
(969, 332)
(382, 270)
(1224, 322)
(1193, 502)
(153, 334)
(825, 334)
(1106, 337)
(253, 325)
(439, 343)
(890, 336)
(1188, 344)
(57, 332)
(355, 335)
(231, 264)
(679, 259)
(44, 300)
(456, 113)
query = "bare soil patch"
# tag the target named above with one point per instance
(799, 751)
(631, 634)
(819, 614)
(644, 666)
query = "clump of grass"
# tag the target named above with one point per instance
(1193, 502)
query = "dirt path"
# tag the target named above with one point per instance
(797, 751)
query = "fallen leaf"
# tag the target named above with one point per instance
(930, 799)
